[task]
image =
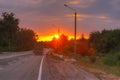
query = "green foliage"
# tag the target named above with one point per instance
(112, 59)
(26, 39)
(106, 40)
(92, 58)
(13, 38)
(8, 30)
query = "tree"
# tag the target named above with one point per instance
(12, 37)
(105, 41)
(60, 44)
(83, 46)
(26, 39)
(8, 29)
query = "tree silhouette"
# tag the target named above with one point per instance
(106, 40)
(12, 37)
(8, 29)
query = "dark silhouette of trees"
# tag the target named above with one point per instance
(11, 35)
(8, 29)
(63, 42)
(63, 45)
(106, 40)
(60, 44)
(25, 39)
(82, 47)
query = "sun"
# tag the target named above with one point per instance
(57, 36)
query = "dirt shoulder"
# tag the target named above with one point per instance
(65, 70)
(98, 71)
(101, 74)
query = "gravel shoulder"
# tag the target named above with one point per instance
(63, 70)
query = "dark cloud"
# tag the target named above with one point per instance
(103, 7)
(39, 14)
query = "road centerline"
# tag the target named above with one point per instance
(40, 69)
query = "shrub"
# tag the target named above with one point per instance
(0, 52)
(92, 58)
(112, 59)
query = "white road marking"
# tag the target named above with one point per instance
(11, 56)
(40, 69)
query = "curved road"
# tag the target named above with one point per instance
(26, 67)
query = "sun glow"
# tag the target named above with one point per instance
(47, 38)
(50, 37)
(57, 36)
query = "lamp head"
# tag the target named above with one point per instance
(65, 5)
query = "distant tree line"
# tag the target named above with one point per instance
(12, 37)
(105, 41)
(65, 46)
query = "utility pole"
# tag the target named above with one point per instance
(75, 42)
(75, 27)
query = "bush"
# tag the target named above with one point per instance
(105, 41)
(112, 59)
(92, 58)
(0, 52)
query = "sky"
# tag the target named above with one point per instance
(45, 17)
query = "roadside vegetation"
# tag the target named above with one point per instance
(106, 45)
(101, 51)
(107, 51)
(12, 37)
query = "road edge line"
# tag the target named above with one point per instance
(12, 56)
(40, 69)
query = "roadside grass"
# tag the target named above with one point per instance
(97, 67)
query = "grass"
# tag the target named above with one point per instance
(98, 68)
(99, 65)
(102, 71)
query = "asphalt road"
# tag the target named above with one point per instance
(28, 68)
(20, 68)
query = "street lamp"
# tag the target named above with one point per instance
(75, 14)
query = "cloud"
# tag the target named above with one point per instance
(81, 3)
(39, 14)
(31, 1)
(74, 2)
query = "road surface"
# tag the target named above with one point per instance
(61, 70)
(20, 68)
(28, 68)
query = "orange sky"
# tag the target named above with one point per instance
(52, 30)
(46, 16)
(50, 37)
